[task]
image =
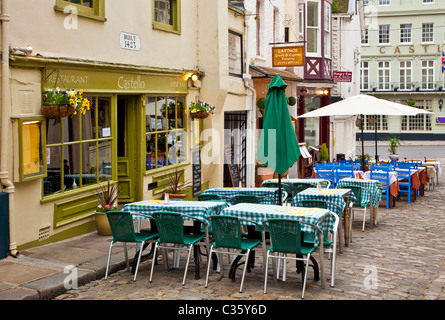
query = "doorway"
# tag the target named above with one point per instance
(235, 130)
(126, 148)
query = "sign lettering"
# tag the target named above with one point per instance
(288, 56)
(130, 41)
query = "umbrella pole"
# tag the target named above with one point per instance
(280, 198)
(375, 137)
(363, 144)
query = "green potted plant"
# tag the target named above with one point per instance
(107, 197)
(176, 185)
(291, 101)
(261, 103)
(324, 153)
(394, 143)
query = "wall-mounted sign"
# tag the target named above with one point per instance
(342, 76)
(288, 56)
(130, 41)
(440, 120)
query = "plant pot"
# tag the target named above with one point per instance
(199, 115)
(394, 157)
(177, 195)
(102, 224)
(265, 173)
(56, 111)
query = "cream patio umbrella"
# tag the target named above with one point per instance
(361, 105)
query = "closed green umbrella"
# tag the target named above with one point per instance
(278, 147)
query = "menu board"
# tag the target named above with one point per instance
(196, 164)
(231, 165)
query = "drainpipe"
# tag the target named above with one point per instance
(8, 185)
(253, 111)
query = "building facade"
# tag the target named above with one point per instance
(140, 66)
(402, 62)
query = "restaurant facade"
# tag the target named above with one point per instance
(140, 67)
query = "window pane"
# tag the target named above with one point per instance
(71, 166)
(52, 183)
(105, 164)
(53, 131)
(150, 143)
(312, 35)
(104, 120)
(312, 14)
(150, 114)
(162, 149)
(89, 175)
(89, 122)
(71, 128)
(163, 11)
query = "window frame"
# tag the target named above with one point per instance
(364, 77)
(406, 33)
(382, 36)
(80, 141)
(384, 85)
(176, 13)
(166, 131)
(427, 85)
(384, 2)
(97, 12)
(317, 28)
(427, 32)
(407, 84)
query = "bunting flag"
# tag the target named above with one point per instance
(443, 61)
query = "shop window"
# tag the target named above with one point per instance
(94, 9)
(165, 131)
(167, 15)
(31, 141)
(78, 149)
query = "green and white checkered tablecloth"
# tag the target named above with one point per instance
(373, 185)
(198, 209)
(335, 196)
(258, 213)
(311, 181)
(270, 194)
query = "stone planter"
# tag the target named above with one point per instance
(102, 224)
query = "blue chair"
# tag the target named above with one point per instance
(327, 174)
(344, 172)
(405, 181)
(383, 177)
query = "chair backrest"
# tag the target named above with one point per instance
(226, 231)
(404, 173)
(380, 175)
(206, 197)
(285, 186)
(285, 235)
(298, 187)
(170, 226)
(122, 226)
(357, 191)
(328, 174)
(246, 198)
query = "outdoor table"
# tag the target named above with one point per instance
(258, 213)
(311, 181)
(336, 196)
(431, 172)
(394, 187)
(376, 192)
(270, 194)
(200, 210)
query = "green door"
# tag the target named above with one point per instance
(126, 148)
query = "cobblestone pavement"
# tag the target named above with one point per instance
(403, 257)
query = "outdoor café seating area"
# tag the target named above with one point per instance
(308, 220)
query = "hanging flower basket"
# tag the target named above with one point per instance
(62, 103)
(199, 115)
(200, 110)
(55, 111)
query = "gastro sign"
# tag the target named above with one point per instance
(288, 56)
(342, 76)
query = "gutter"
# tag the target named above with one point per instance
(7, 184)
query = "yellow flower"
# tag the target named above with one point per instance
(186, 111)
(194, 110)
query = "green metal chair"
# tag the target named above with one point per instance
(299, 187)
(329, 238)
(207, 197)
(360, 193)
(290, 190)
(246, 198)
(227, 234)
(286, 238)
(122, 229)
(170, 227)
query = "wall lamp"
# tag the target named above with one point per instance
(195, 79)
(24, 50)
(440, 104)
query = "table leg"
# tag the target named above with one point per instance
(197, 269)
(346, 225)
